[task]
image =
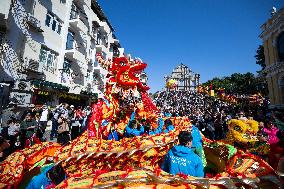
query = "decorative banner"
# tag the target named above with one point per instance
(70, 96)
(212, 93)
(45, 93)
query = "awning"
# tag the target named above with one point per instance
(89, 93)
(40, 83)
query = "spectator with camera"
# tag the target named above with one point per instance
(13, 131)
(60, 109)
(28, 130)
(76, 122)
(63, 130)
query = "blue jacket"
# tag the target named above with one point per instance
(167, 114)
(40, 181)
(113, 135)
(160, 130)
(134, 132)
(196, 137)
(182, 159)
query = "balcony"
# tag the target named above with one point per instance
(66, 77)
(116, 53)
(100, 47)
(93, 35)
(101, 39)
(34, 23)
(31, 65)
(97, 70)
(49, 69)
(74, 54)
(4, 12)
(78, 24)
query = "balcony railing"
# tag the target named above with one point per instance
(78, 24)
(76, 55)
(116, 53)
(34, 22)
(66, 76)
(101, 40)
(4, 12)
(74, 15)
(49, 69)
(32, 65)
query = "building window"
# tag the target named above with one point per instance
(53, 22)
(66, 65)
(74, 12)
(103, 55)
(47, 20)
(95, 26)
(59, 29)
(70, 40)
(88, 76)
(115, 51)
(99, 38)
(281, 82)
(47, 58)
(2, 34)
(280, 45)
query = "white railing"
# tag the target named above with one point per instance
(34, 22)
(32, 65)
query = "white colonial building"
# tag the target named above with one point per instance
(48, 50)
(185, 78)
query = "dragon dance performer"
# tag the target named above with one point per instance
(197, 141)
(49, 177)
(181, 159)
(164, 127)
(132, 129)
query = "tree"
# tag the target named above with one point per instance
(260, 58)
(238, 83)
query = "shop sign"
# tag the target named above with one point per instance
(45, 93)
(21, 98)
(70, 96)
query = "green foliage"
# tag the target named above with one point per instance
(239, 83)
(260, 58)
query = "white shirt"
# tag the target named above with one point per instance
(44, 115)
(13, 129)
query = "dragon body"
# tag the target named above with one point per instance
(90, 161)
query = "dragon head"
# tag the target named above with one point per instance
(243, 131)
(124, 72)
(127, 73)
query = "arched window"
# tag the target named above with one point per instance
(280, 45)
(281, 86)
(281, 82)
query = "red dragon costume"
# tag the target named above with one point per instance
(92, 162)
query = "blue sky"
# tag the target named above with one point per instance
(212, 37)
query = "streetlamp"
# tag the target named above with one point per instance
(189, 77)
(166, 79)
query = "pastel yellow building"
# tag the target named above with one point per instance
(273, 42)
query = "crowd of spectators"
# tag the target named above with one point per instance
(23, 127)
(211, 114)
